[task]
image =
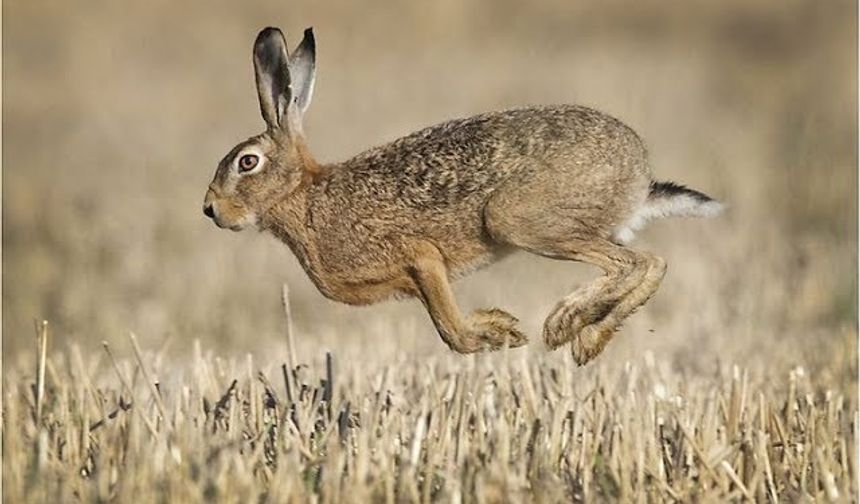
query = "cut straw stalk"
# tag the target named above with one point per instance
(156, 396)
(727, 468)
(124, 381)
(41, 360)
(288, 328)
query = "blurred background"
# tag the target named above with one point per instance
(115, 115)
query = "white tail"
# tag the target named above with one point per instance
(668, 199)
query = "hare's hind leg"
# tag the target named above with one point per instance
(593, 302)
(644, 272)
(488, 329)
(589, 316)
(566, 213)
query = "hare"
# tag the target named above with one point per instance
(407, 218)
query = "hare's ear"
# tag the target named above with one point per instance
(271, 67)
(302, 66)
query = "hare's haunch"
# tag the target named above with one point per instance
(406, 218)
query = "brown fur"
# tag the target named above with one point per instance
(406, 218)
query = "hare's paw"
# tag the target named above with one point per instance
(570, 316)
(495, 328)
(590, 341)
(562, 325)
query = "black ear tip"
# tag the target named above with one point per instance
(269, 33)
(309, 33)
(270, 30)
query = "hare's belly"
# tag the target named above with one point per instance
(389, 276)
(374, 274)
(372, 287)
(465, 257)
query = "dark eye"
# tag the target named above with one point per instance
(248, 162)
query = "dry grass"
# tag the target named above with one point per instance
(738, 380)
(487, 429)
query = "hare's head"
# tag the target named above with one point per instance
(270, 166)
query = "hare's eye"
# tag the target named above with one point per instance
(248, 162)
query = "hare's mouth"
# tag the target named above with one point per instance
(232, 226)
(236, 225)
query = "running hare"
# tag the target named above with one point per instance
(407, 218)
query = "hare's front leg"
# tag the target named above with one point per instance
(488, 329)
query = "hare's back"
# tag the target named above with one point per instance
(467, 158)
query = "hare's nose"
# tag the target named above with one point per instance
(208, 211)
